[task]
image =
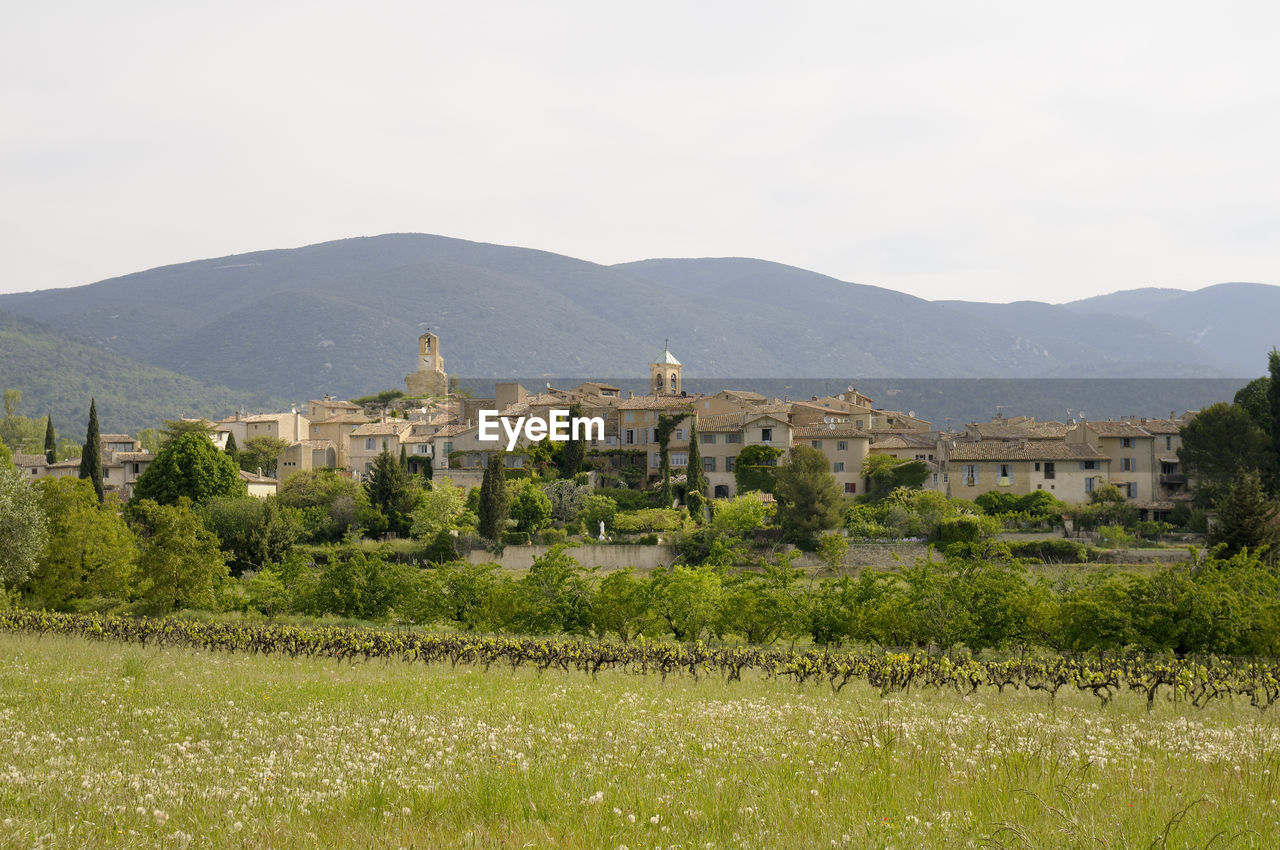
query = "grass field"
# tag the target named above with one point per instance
(106, 745)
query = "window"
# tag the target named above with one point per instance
(766, 435)
(851, 487)
(370, 443)
(1006, 475)
(1168, 443)
(935, 479)
(728, 464)
(733, 438)
(1037, 466)
(1088, 464)
(817, 444)
(654, 460)
(842, 446)
(679, 458)
(708, 464)
(838, 466)
(859, 423)
(448, 448)
(1088, 484)
(629, 436)
(1050, 470)
(1126, 442)
(708, 439)
(969, 474)
(1126, 464)
(422, 449)
(1131, 489)
(673, 381)
(679, 433)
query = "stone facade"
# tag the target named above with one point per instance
(430, 379)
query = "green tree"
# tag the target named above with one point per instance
(1254, 398)
(667, 425)
(232, 450)
(329, 503)
(567, 498)
(6, 456)
(50, 441)
(191, 467)
(740, 515)
(24, 529)
(391, 492)
(1219, 444)
(1244, 516)
(91, 554)
(886, 473)
(149, 439)
(831, 549)
(438, 510)
(530, 508)
(492, 514)
(261, 453)
(623, 606)
(696, 476)
(254, 533)
(1273, 400)
(12, 399)
(91, 454)
(574, 451)
(755, 467)
(180, 562)
(597, 508)
(809, 498)
(174, 428)
(555, 596)
(687, 599)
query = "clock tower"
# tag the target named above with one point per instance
(430, 379)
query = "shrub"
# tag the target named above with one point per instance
(650, 519)
(1051, 551)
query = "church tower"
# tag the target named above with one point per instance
(430, 378)
(664, 374)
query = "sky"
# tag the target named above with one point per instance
(991, 151)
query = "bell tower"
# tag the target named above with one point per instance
(430, 378)
(664, 373)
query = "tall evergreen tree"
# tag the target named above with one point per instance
(1273, 397)
(574, 452)
(50, 441)
(695, 475)
(492, 516)
(91, 454)
(390, 492)
(232, 450)
(404, 458)
(1244, 515)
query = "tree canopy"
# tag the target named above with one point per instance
(189, 466)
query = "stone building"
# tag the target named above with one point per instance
(430, 379)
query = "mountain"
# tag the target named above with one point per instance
(58, 374)
(343, 317)
(1231, 326)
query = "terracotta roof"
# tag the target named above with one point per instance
(1026, 450)
(1162, 426)
(1022, 430)
(376, 429)
(314, 444)
(25, 460)
(593, 385)
(1113, 428)
(133, 457)
(418, 438)
(268, 417)
(454, 430)
(835, 429)
(115, 438)
(741, 395)
(343, 419)
(900, 441)
(719, 422)
(329, 402)
(657, 402)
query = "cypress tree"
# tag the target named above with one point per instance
(91, 454)
(389, 490)
(695, 475)
(492, 517)
(232, 450)
(404, 458)
(50, 441)
(574, 452)
(1273, 399)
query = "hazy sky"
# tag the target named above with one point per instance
(982, 150)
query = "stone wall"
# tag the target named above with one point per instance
(588, 555)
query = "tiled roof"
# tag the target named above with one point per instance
(133, 457)
(899, 441)
(1113, 428)
(454, 430)
(343, 419)
(375, 429)
(657, 402)
(1025, 430)
(315, 444)
(835, 429)
(256, 479)
(719, 422)
(115, 438)
(1026, 450)
(418, 438)
(1162, 426)
(329, 402)
(268, 417)
(26, 461)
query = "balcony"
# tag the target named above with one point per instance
(1173, 479)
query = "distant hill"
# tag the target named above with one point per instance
(342, 317)
(58, 374)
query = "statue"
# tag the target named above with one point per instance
(602, 529)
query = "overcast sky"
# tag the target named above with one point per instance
(987, 151)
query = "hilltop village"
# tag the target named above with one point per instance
(431, 427)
